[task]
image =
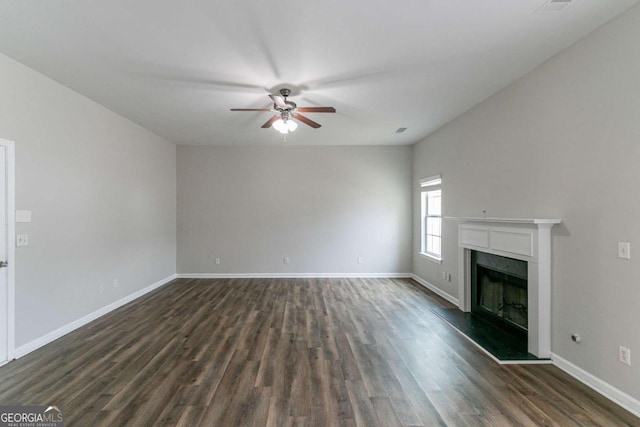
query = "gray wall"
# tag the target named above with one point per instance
(562, 142)
(103, 195)
(321, 206)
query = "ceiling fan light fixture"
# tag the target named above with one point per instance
(284, 126)
(280, 126)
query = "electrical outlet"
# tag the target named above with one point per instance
(624, 355)
(115, 283)
(444, 275)
(100, 288)
(285, 260)
(359, 260)
(22, 240)
(217, 261)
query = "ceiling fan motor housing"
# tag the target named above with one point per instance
(290, 105)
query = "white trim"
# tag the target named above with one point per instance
(430, 257)
(70, 327)
(430, 181)
(291, 275)
(453, 300)
(617, 396)
(11, 250)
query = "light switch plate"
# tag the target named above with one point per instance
(624, 250)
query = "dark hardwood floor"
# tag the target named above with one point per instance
(281, 352)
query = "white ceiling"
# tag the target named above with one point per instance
(177, 67)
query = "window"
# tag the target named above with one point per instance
(431, 217)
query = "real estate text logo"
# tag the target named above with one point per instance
(31, 416)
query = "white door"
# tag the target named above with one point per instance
(4, 277)
(7, 250)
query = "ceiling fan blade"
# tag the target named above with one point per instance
(269, 122)
(250, 109)
(316, 109)
(307, 121)
(278, 100)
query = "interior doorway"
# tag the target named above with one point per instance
(7, 251)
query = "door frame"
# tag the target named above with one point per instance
(11, 247)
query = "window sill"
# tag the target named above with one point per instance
(431, 257)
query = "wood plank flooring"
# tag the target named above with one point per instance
(291, 352)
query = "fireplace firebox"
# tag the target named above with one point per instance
(499, 291)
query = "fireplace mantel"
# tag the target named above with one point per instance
(524, 239)
(505, 220)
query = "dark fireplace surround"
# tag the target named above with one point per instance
(499, 292)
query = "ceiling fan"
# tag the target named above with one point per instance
(286, 111)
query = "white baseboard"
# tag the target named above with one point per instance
(453, 300)
(289, 275)
(54, 335)
(629, 403)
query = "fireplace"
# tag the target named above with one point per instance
(499, 291)
(522, 267)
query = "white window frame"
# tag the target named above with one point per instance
(431, 186)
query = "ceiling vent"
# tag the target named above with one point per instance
(555, 5)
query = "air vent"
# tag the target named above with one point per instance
(400, 130)
(555, 5)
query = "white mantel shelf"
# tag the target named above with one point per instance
(506, 220)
